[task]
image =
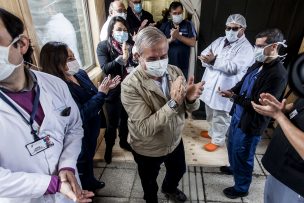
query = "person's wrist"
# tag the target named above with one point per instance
(189, 101)
(172, 103)
(279, 116)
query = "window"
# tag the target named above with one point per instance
(66, 21)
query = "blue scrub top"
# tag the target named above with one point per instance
(179, 53)
(246, 89)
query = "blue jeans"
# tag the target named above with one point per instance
(241, 149)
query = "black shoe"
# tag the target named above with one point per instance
(108, 154)
(231, 193)
(125, 146)
(98, 185)
(177, 195)
(93, 185)
(226, 170)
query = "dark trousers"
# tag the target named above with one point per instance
(117, 117)
(241, 149)
(148, 169)
(85, 159)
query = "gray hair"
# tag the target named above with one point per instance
(111, 6)
(148, 37)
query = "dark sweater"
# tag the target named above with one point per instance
(281, 159)
(89, 102)
(134, 23)
(272, 79)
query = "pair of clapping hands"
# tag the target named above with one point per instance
(181, 90)
(268, 104)
(108, 83)
(208, 58)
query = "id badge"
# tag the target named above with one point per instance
(39, 145)
(293, 114)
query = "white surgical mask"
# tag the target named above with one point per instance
(259, 54)
(123, 15)
(157, 68)
(120, 36)
(177, 19)
(232, 35)
(73, 67)
(7, 68)
(261, 57)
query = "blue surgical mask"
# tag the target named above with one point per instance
(120, 36)
(138, 8)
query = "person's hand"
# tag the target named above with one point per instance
(125, 51)
(114, 82)
(134, 36)
(225, 93)
(152, 24)
(194, 91)
(86, 196)
(69, 177)
(104, 86)
(66, 190)
(174, 33)
(209, 58)
(143, 25)
(269, 106)
(178, 90)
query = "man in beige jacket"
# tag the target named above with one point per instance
(156, 97)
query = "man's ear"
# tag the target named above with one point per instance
(24, 44)
(274, 47)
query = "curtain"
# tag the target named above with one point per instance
(193, 7)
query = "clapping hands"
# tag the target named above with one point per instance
(108, 83)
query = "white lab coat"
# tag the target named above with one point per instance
(229, 67)
(104, 30)
(25, 178)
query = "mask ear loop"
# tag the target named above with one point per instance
(30, 64)
(285, 46)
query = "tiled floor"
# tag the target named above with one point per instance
(201, 184)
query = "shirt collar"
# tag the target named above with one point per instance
(31, 81)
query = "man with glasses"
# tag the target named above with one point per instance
(117, 8)
(155, 96)
(267, 75)
(226, 61)
(138, 18)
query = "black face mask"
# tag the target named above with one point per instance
(296, 75)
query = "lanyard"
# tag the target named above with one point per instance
(33, 114)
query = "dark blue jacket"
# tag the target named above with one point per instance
(273, 80)
(89, 102)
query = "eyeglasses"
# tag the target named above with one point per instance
(228, 28)
(121, 11)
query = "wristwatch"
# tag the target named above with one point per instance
(173, 104)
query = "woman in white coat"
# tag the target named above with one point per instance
(40, 127)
